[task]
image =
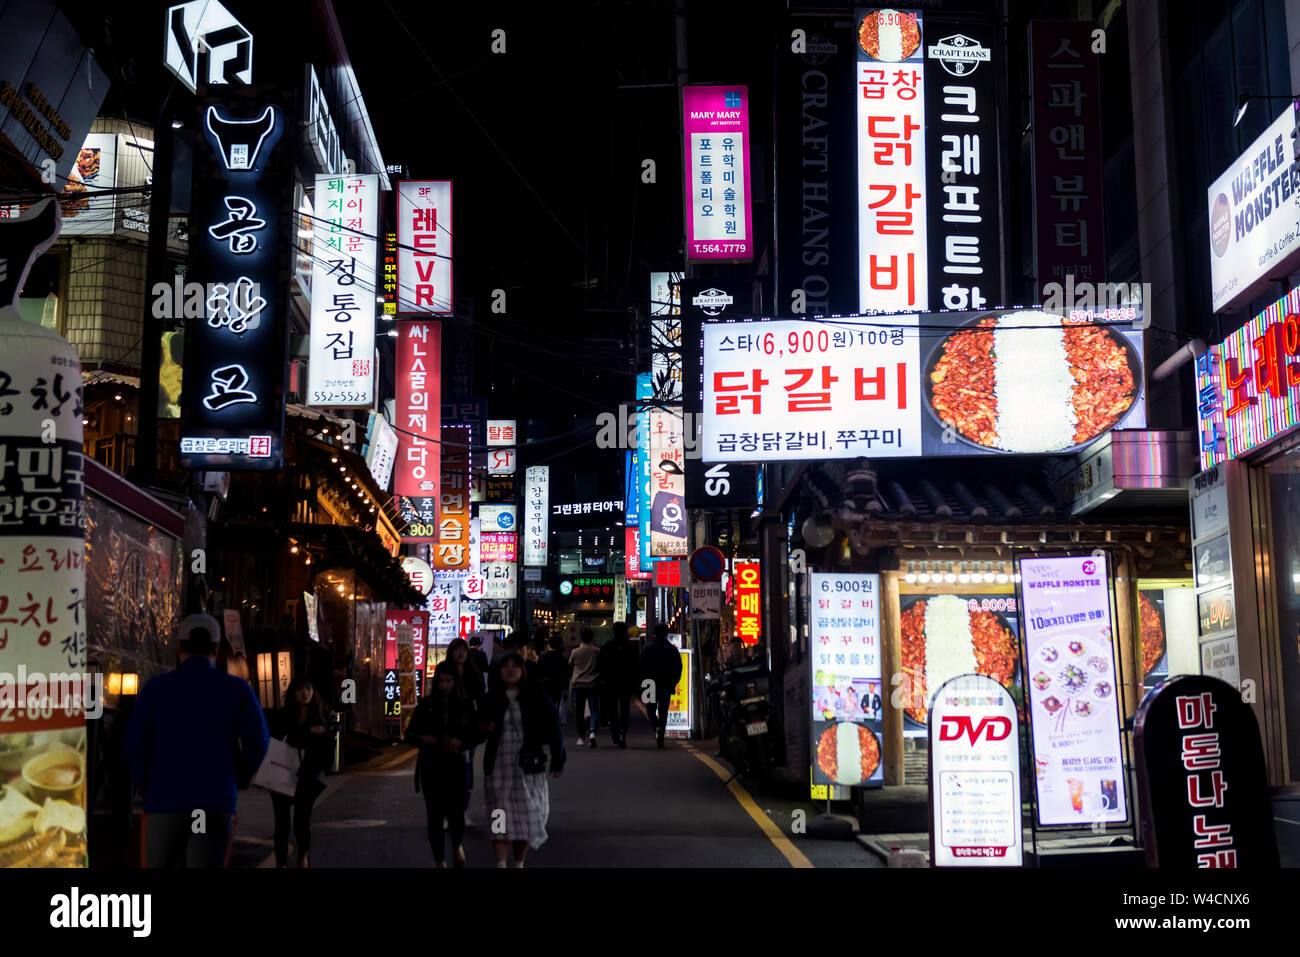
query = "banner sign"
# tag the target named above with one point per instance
(1202, 780)
(749, 621)
(668, 531)
(444, 610)
(417, 411)
(500, 579)
(234, 382)
(644, 395)
(963, 230)
(719, 220)
(340, 368)
(88, 203)
(424, 233)
(892, 248)
(845, 662)
(907, 385)
(498, 547)
(975, 775)
(453, 545)
(679, 706)
(1069, 227)
(381, 450)
(1254, 219)
(536, 532)
(666, 334)
(1074, 689)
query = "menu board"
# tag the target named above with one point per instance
(1073, 691)
(1216, 619)
(975, 775)
(846, 684)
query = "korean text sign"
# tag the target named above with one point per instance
(890, 386)
(719, 221)
(892, 274)
(1069, 226)
(1250, 384)
(1074, 691)
(444, 610)
(749, 606)
(975, 775)
(235, 355)
(424, 233)
(344, 250)
(537, 535)
(453, 545)
(846, 684)
(668, 532)
(418, 413)
(1201, 777)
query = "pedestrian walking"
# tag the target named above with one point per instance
(585, 687)
(473, 685)
(196, 736)
(300, 724)
(553, 674)
(618, 676)
(661, 663)
(524, 727)
(477, 655)
(445, 727)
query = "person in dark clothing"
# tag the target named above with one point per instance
(661, 663)
(553, 673)
(618, 676)
(586, 687)
(445, 727)
(474, 689)
(301, 724)
(476, 654)
(196, 736)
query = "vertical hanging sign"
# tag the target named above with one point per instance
(962, 165)
(241, 223)
(719, 220)
(424, 247)
(418, 411)
(453, 548)
(892, 249)
(749, 621)
(668, 484)
(340, 371)
(537, 515)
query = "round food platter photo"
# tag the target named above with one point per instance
(1073, 680)
(847, 753)
(1029, 382)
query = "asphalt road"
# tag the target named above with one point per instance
(639, 807)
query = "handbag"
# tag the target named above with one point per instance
(532, 758)
(279, 769)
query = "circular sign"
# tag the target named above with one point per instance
(566, 587)
(473, 586)
(419, 572)
(707, 564)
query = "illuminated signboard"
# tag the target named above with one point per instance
(587, 508)
(1074, 691)
(498, 547)
(719, 221)
(497, 518)
(206, 44)
(424, 233)
(500, 579)
(908, 385)
(666, 334)
(417, 413)
(892, 274)
(381, 450)
(388, 276)
(452, 550)
(341, 344)
(501, 462)
(668, 531)
(749, 622)
(1249, 384)
(644, 393)
(501, 432)
(536, 517)
(599, 589)
(444, 610)
(234, 383)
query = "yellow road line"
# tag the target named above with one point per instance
(782, 843)
(400, 759)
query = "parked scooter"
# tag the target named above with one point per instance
(749, 722)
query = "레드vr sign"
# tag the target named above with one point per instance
(424, 233)
(206, 44)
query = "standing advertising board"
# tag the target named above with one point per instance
(845, 660)
(1216, 618)
(424, 234)
(341, 344)
(975, 817)
(241, 221)
(1074, 691)
(909, 385)
(679, 706)
(719, 219)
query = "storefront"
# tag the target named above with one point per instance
(1247, 540)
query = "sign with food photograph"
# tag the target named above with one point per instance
(88, 203)
(1019, 382)
(1167, 619)
(975, 818)
(1073, 691)
(943, 636)
(719, 219)
(892, 273)
(847, 695)
(1201, 778)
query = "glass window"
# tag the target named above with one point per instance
(1283, 481)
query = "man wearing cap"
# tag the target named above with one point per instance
(195, 737)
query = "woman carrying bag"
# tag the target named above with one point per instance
(524, 726)
(301, 724)
(444, 727)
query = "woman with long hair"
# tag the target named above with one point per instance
(524, 722)
(474, 687)
(301, 723)
(444, 728)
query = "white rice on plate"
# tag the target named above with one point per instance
(1033, 384)
(949, 645)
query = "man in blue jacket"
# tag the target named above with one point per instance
(195, 737)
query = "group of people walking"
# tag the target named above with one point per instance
(511, 707)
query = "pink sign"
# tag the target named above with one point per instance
(719, 221)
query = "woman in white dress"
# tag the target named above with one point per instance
(524, 722)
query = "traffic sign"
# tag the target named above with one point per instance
(707, 563)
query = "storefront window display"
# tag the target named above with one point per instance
(1282, 480)
(1167, 642)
